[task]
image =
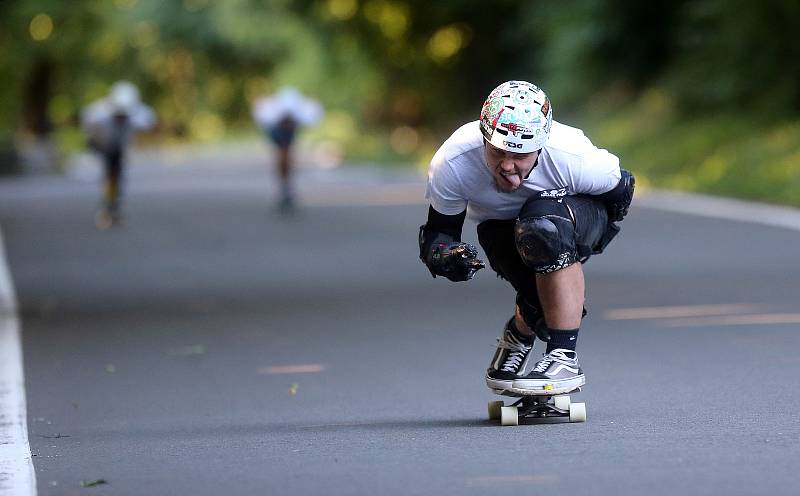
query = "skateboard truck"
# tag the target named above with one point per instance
(537, 409)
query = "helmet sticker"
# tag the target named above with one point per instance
(495, 105)
(520, 110)
(512, 127)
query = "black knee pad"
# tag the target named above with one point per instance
(545, 236)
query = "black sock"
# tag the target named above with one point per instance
(528, 340)
(565, 339)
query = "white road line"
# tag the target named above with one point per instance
(646, 313)
(759, 319)
(310, 368)
(372, 195)
(17, 476)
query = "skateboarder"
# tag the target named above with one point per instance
(545, 199)
(109, 125)
(280, 116)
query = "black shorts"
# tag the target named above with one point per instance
(497, 239)
(282, 134)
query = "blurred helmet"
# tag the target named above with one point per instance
(289, 95)
(124, 96)
(516, 117)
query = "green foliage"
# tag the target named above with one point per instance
(680, 85)
(710, 53)
(719, 153)
(739, 52)
(701, 95)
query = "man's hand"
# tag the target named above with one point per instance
(455, 261)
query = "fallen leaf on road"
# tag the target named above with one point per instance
(293, 389)
(93, 483)
(110, 368)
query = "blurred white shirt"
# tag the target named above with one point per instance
(288, 102)
(99, 124)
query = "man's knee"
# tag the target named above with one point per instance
(545, 236)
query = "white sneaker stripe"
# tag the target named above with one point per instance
(561, 367)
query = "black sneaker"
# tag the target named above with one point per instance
(558, 372)
(509, 359)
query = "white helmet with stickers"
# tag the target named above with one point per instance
(516, 117)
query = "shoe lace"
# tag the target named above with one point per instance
(557, 355)
(518, 352)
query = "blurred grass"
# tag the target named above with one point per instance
(727, 154)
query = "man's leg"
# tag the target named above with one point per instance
(284, 176)
(111, 192)
(284, 161)
(562, 296)
(549, 243)
(516, 340)
(282, 136)
(109, 212)
(496, 237)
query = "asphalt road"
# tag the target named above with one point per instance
(211, 346)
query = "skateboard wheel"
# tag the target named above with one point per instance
(494, 410)
(509, 415)
(577, 412)
(561, 402)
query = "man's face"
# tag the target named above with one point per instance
(508, 168)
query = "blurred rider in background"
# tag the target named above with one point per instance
(280, 116)
(109, 124)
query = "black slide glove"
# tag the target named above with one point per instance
(447, 256)
(455, 261)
